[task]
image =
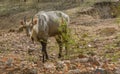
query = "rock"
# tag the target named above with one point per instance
(30, 71)
(50, 67)
(117, 71)
(94, 61)
(30, 50)
(89, 45)
(23, 64)
(9, 62)
(62, 66)
(33, 71)
(73, 66)
(1, 63)
(107, 31)
(82, 60)
(76, 71)
(67, 62)
(100, 71)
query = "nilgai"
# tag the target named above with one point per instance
(46, 24)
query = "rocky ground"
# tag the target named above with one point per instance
(95, 50)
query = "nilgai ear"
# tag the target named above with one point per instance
(22, 23)
(35, 22)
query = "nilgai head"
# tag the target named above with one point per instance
(28, 25)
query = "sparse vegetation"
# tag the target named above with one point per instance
(93, 42)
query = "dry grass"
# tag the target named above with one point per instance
(90, 35)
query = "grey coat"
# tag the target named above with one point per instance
(48, 24)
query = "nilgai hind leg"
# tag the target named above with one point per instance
(60, 43)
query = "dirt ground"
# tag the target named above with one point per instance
(96, 46)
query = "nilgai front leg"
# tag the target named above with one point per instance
(44, 52)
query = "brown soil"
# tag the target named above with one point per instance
(99, 35)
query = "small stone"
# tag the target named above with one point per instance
(117, 71)
(30, 71)
(94, 61)
(82, 60)
(89, 45)
(76, 71)
(60, 65)
(34, 71)
(100, 71)
(23, 64)
(49, 67)
(67, 62)
(30, 50)
(9, 62)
